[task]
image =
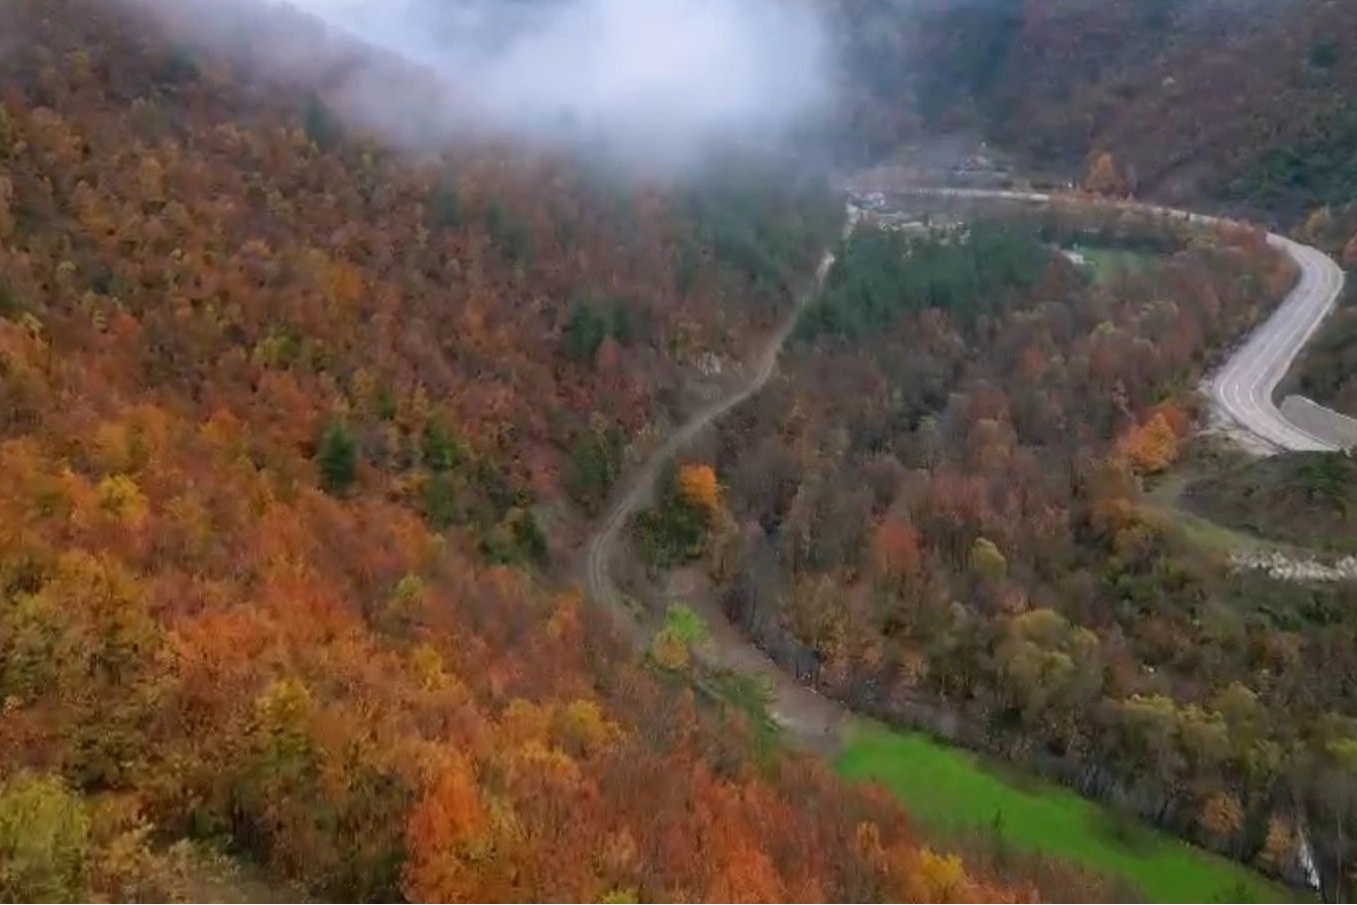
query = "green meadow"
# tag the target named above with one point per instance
(951, 790)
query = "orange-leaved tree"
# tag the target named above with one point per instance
(698, 487)
(1103, 177)
(1150, 447)
(446, 838)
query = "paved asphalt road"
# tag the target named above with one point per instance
(1244, 385)
(1243, 388)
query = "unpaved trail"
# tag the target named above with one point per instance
(808, 718)
(1242, 388)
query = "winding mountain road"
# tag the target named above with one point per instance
(1243, 389)
(1244, 386)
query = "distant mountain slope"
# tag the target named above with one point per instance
(1266, 118)
(1232, 99)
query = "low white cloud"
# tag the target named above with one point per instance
(658, 81)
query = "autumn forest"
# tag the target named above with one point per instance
(302, 434)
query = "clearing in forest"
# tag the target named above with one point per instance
(950, 790)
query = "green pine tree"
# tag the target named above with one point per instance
(337, 458)
(321, 125)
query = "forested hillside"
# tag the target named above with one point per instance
(301, 427)
(1248, 102)
(278, 410)
(940, 519)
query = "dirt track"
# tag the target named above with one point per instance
(808, 718)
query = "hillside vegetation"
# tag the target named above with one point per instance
(963, 794)
(1327, 371)
(279, 410)
(1232, 100)
(938, 521)
(880, 276)
(299, 432)
(1306, 499)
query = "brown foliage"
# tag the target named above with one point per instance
(1349, 256)
(962, 534)
(1103, 176)
(354, 692)
(896, 548)
(1221, 816)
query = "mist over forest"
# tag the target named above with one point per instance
(522, 450)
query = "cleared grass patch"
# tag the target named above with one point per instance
(1109, 264)
(1304, 499)
(1162, 506)
(951, 790)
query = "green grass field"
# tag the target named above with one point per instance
(1109, 263)
(949, 789)
(1162, 506)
